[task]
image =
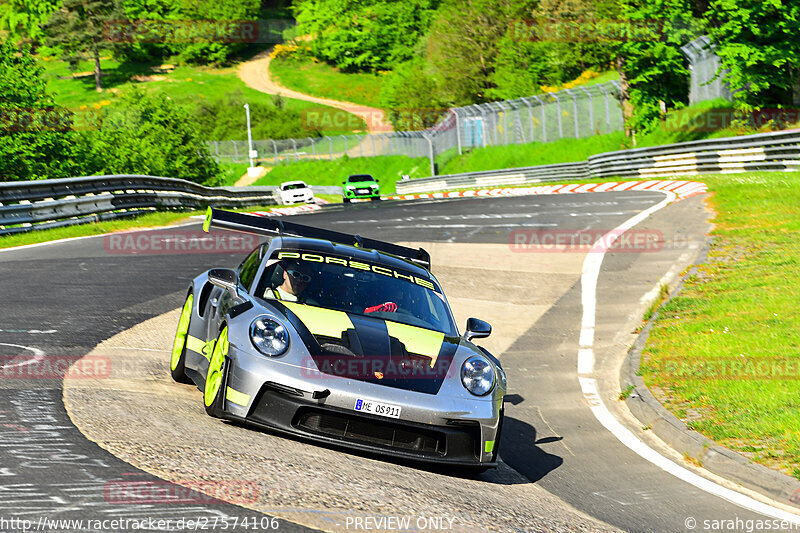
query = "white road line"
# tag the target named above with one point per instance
(38, 355)
(589, 276)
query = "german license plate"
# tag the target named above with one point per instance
(363, 191)
(377, 408)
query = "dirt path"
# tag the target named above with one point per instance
(255, 73)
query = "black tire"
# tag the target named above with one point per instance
(178, 367)
(345, 200)
(376, 198)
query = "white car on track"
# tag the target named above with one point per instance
(293, 192)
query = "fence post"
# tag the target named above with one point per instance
(458, 130)
(505, 121)
(591, 109)
(294, 147)
(216, 146)
(574, 111)
(313, 149)
(275, 147)
(235, 151)
(345, 144)
(530, 116)
(544, 118)
(560, 121)
(431, 155)
(330, 148)
(372, 138)
(608, 114)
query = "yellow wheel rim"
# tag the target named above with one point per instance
(183, 330)
(214, 376)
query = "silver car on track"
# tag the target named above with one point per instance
(342, 340)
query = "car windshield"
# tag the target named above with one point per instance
(293, 186)
(356, 287)
(357, 179)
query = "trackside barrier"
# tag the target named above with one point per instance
(778, 151)
(43, 204)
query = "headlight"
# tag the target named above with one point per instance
(477, 375)
(269, 336)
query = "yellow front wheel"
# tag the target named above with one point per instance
(178, 360)
(213, 395)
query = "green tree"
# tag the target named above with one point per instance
(757, 41)
(410, 95)
(463, 45)
(364, 35)
(148, 134)
(23, 19)
(650, 62)
(78, 28)
(35, 137)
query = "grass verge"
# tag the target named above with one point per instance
(387, 169)
(325, 81)
(149, 220)
(184, 83)
(724, 355)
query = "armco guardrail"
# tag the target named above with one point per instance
(779, 151)
(45, 204)
(495, 178)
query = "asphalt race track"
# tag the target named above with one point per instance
(562, 469)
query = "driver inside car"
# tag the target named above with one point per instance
(295, 279)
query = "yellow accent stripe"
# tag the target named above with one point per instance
(489, 447)
(417, 340)
(198, 346)
(321, 321)
(239, 398)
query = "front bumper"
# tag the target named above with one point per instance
(352, 194)
(457, 445)
(297, 399)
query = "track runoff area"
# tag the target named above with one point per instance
(112, 438)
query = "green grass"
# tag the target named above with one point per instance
(149, 220)
(741, 307)
(526, 155)
(231, 173)
(183, 83)
(386, 169)
(323, 80)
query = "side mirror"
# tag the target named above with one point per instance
(227, 279)
(477, 329)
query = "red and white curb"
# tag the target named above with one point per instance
(682, 189)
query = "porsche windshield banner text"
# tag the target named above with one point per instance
(357, 265)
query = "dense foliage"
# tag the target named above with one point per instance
(143, 134)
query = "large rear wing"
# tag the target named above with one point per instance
(271, 227)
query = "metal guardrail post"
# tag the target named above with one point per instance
(430, 147)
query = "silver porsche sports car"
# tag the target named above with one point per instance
(342, 340)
